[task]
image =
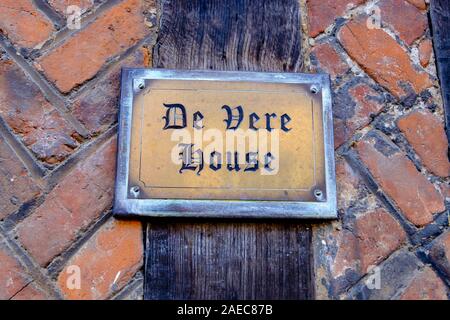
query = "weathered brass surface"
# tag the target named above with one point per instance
(301, 171)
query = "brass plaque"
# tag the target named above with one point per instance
(225, 144)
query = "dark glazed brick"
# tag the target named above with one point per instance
(395, 274)
(41, 128)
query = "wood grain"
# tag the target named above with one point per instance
(245, 35)
(213, 260)
(218, 259)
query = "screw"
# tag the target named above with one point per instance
(138, 85)
(135, 191)
(318, 194)
(314, 89)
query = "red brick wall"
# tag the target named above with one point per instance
(58, 106)
(391, 152)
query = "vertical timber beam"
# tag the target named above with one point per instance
(440, 21)
(217, 259)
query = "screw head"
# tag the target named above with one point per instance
(138, 85)
(315, 89)
(318, 194)
(135, 191)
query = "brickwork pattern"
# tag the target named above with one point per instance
(391, 151)
(58, 122)
(59, 91)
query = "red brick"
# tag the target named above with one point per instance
(353, 107)
(347, 255)
(440, 252)
(378, 234)
(31, 292)
(426, 133)
(420, 4)
(97, 108)
(322, 13)
(42, 129)
(382, 58)
(404, 18)
(61, 5)
(83, 55)
(395, 274)
(107, 261)
(348, 184)
(373, 237)
(23, 24)
(426, 285)
(13, 277)
(398, 177)
(425, 50)
(325, 59)
(337, 261)
(79, 199)
(16, 185)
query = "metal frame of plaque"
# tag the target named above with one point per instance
(323, 207)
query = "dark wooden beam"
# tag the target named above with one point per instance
(440, 20)
(229, 259)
